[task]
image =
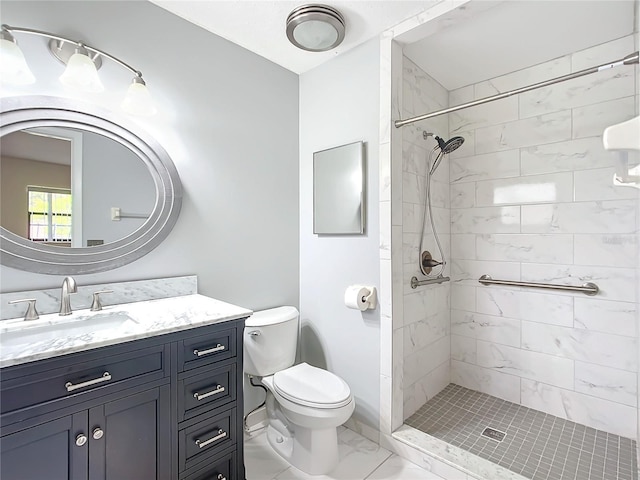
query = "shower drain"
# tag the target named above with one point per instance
(493, 434)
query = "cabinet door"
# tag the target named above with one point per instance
(130, 438)
(56, 450)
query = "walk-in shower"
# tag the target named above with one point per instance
(519, 351)
(426, 261)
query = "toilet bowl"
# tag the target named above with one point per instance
(305, 404)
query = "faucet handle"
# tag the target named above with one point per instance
(96, 304)
(32, 313)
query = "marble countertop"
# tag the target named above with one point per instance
(52, 335)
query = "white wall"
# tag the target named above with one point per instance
(532, 199)
(229, 120)
(339, 104)
(426, 309)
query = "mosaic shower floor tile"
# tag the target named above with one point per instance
(531, 443)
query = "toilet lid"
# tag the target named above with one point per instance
(312, 387)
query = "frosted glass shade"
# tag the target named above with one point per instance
(316, 36)
(13, 66)
(138, 100)
(81, 74)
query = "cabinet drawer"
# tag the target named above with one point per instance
(205, 349)
(76, 380)
(221, 468)
(206, 438)
(207, 390)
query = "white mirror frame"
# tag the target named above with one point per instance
(18, 113)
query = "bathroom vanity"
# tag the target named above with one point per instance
(146, 390)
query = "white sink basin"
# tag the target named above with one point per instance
(51, 328)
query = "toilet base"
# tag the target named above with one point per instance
(314, 451)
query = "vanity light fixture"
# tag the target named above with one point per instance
(315, 28)
(13, 65)
(81, 73)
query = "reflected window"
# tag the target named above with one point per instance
(49, 214)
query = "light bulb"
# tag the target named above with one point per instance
(138, 100)
(13, 66)
(81, 73)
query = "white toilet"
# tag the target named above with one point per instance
(305, 404)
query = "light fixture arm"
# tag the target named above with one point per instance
(11, 30)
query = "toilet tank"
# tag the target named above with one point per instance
(270, 339)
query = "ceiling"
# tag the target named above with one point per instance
(36, 147)
(476, 45)
(516, 34)
(259, 25)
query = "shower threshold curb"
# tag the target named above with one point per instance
(452, 456)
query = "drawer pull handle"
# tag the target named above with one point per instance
(200, 396)
(106, 376)
(206, 443)
(218, 348)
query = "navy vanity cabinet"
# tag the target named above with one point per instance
(46, 451)
(130, 437)
(222, 467)
(124, 412)
(124, 438)
(101, 414)
(210, 430)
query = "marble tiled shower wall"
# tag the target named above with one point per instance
(532, 199)
(425, 326)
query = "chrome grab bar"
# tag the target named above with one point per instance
(218, 348)
(588, 288)
(429, 281)
(200, 396)
(106, 376)
(221, 434)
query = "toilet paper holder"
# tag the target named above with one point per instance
(361, 297)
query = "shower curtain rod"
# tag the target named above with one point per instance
(628, 60)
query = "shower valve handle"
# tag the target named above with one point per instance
(430, 263)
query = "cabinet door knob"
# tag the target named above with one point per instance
(81, 439)
(221, 477)
(98, 433)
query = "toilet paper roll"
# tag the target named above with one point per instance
(355, 296)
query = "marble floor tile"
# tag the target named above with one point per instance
(359, 459)
(398, 468)
(261, 462)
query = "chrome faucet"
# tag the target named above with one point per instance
(68, 287)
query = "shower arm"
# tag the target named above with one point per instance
(630, 59)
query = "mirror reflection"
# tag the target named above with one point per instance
(338, 190)
(72, 187)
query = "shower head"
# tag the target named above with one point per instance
(451, 145)
(445, 147)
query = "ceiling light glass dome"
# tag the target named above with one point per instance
(315, 28)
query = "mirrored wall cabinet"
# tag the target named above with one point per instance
(339, 190)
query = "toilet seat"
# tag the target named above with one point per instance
(310, 386)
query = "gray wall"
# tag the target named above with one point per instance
(339, 104)
(229, 120)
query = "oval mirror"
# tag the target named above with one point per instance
(81, 191)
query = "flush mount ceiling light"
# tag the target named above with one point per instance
(315, 28)
(81, 73)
